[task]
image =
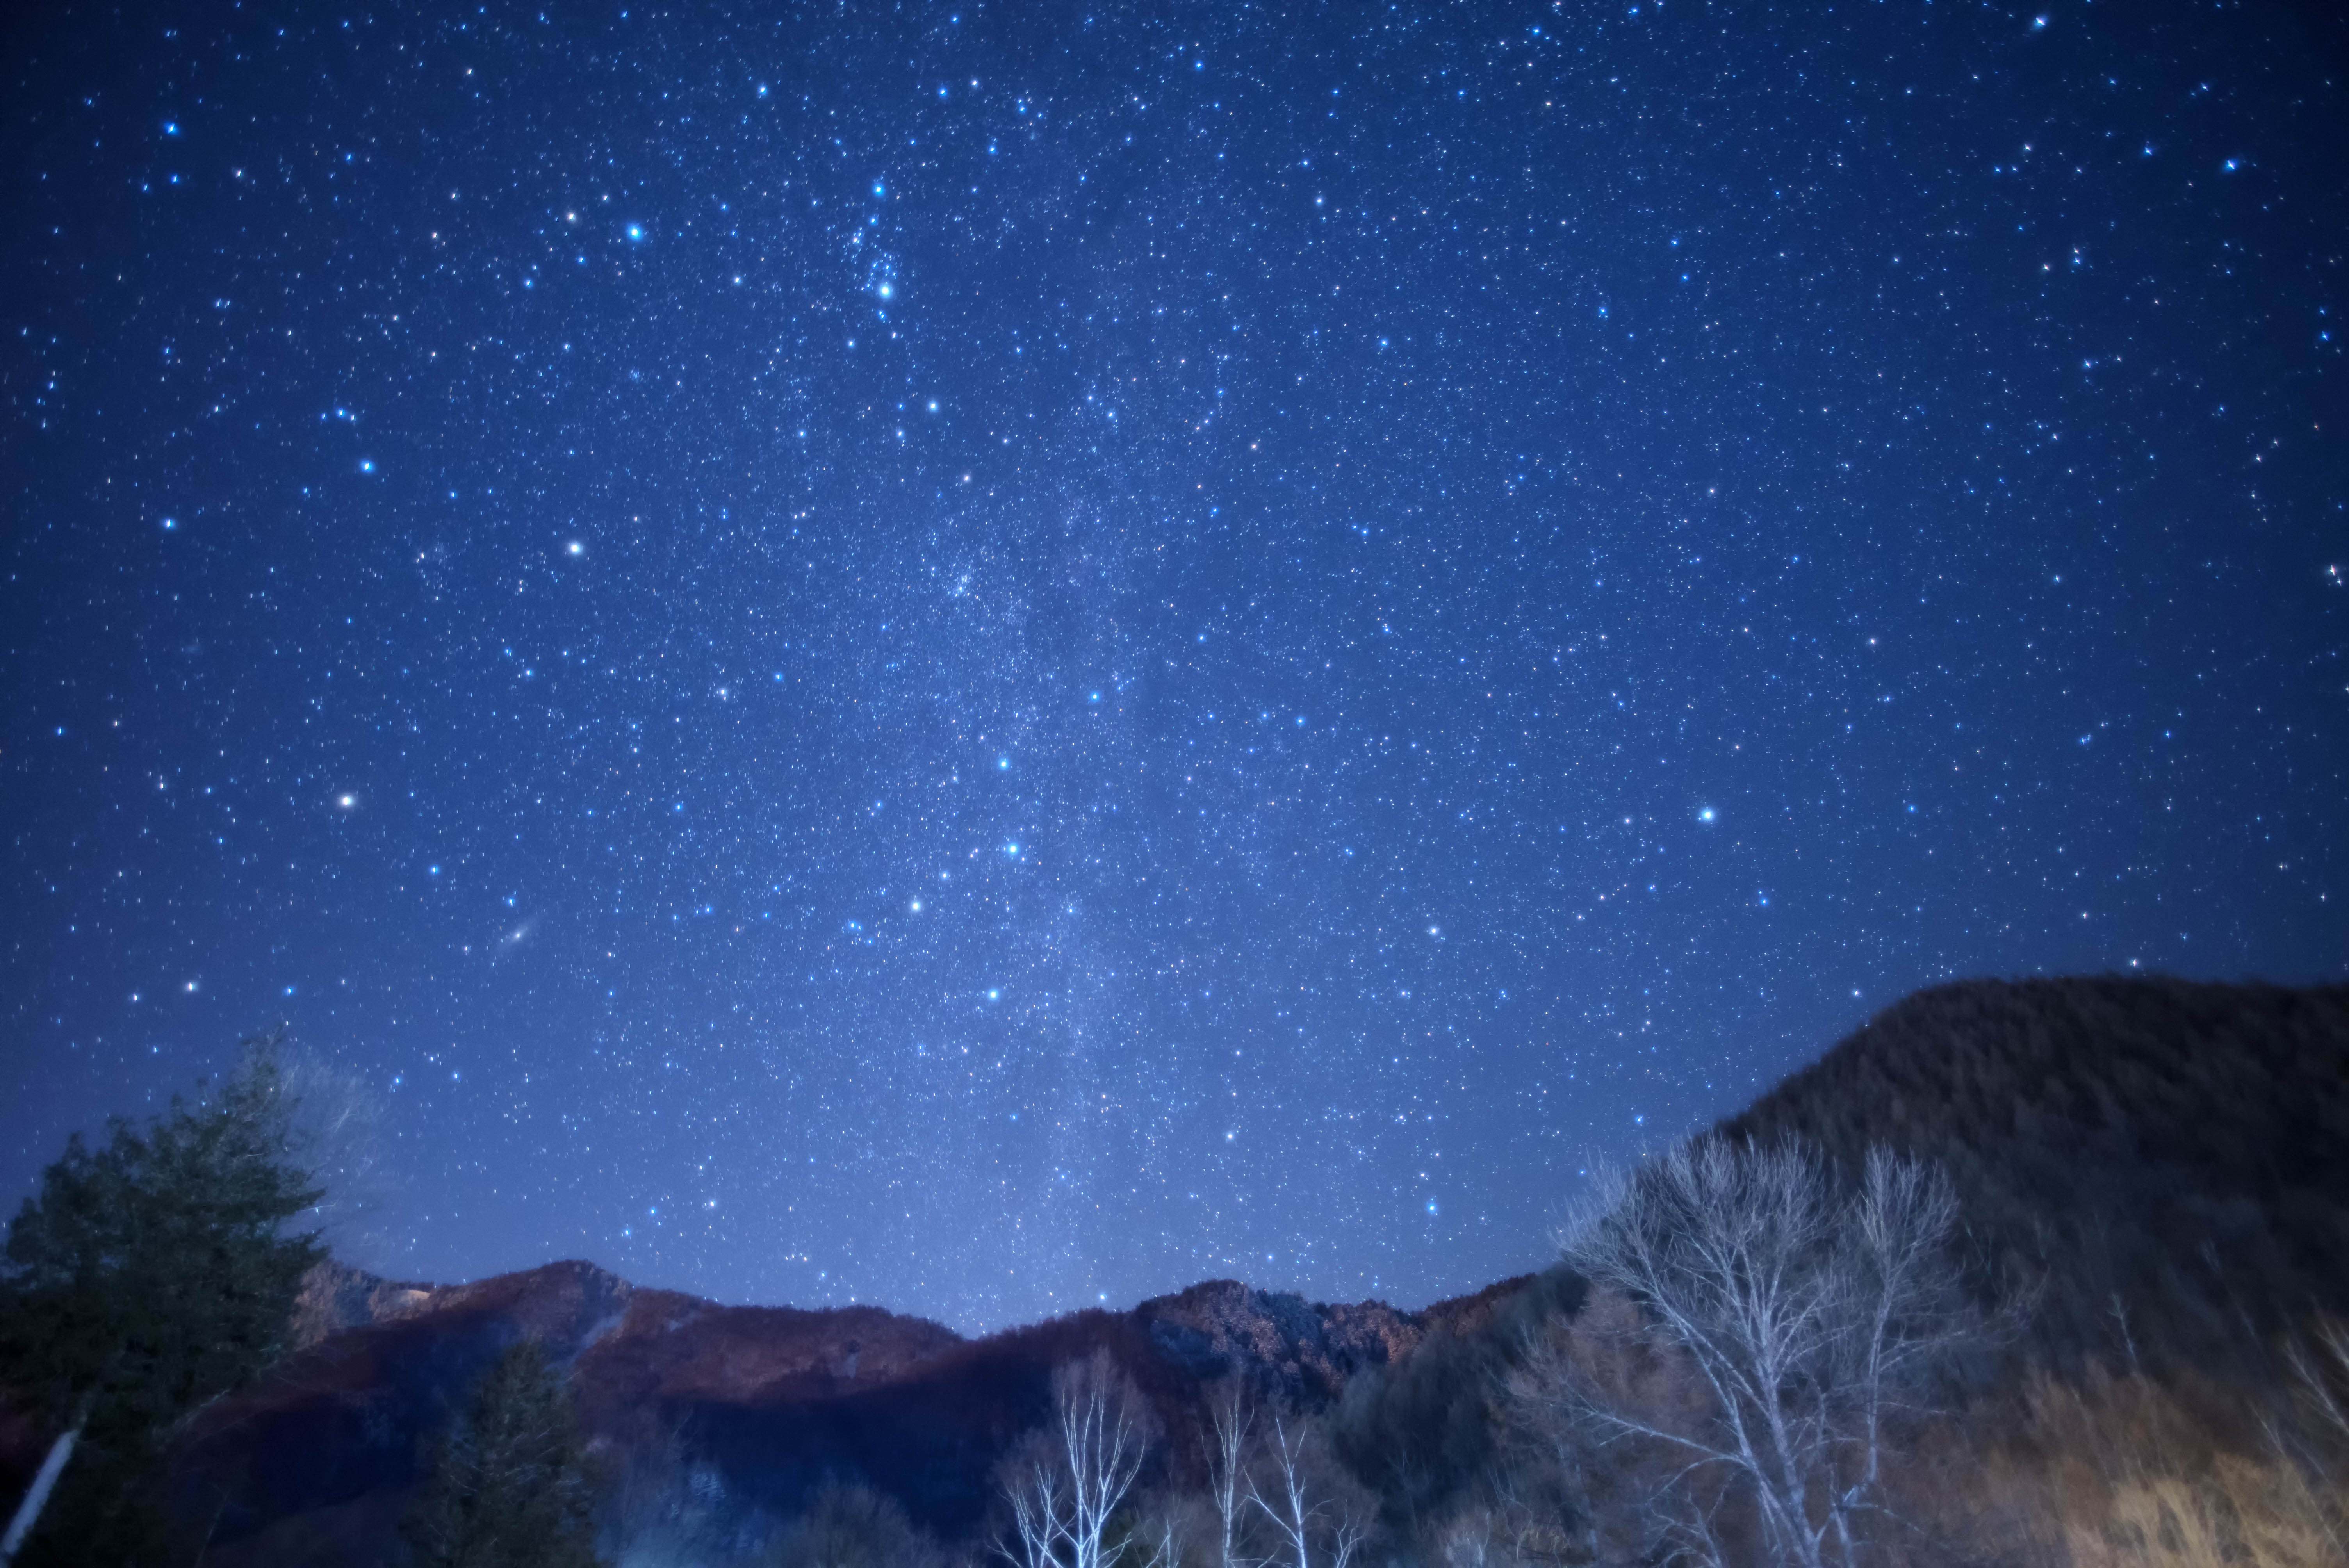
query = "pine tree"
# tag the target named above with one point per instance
(148, 1277)
(510, 1486)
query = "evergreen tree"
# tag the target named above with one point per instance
(148, 1277)
(510, 1486)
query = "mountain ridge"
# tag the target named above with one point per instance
(770, 1401)
(2162, 1166)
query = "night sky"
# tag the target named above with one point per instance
(996, 658)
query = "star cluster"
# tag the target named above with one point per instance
(994, 657)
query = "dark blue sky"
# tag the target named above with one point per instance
(989, 657)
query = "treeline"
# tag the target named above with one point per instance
(2044, 1273)
(2123, 1343)
(1748, 1355)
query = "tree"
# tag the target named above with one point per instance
(1807, 1315)
(1225, 1446)
(1067, 1484)
(854, 1527)
(148, 1277)
(1315, 1512)
(508, 1485)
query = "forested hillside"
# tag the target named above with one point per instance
(2138, 1357)
(2162, 1167)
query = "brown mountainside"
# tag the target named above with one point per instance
(757, 1407)
(2164, 1163)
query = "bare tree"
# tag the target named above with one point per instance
(1064, 1490)
(1350, 1530)
(1037, 1493)
(1279, 1490)
(1229, 1423)
(1317, 1514)
(1805, 1315)
(1162, 1536)
(1529, 1514)
(1104, 1441)
(853, 1526)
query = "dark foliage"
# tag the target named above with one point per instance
(148, 1276)
(510, 1485)
(932, 1438)
(2173, 1151)
(2164, 1164)
(933, 1442)
(1418, 1431)
(854, 1527)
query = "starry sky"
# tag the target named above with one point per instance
(995, 658)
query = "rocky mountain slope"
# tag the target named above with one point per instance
(751, 1406)
(2162, 1167)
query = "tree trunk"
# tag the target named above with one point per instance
(29, 1510)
